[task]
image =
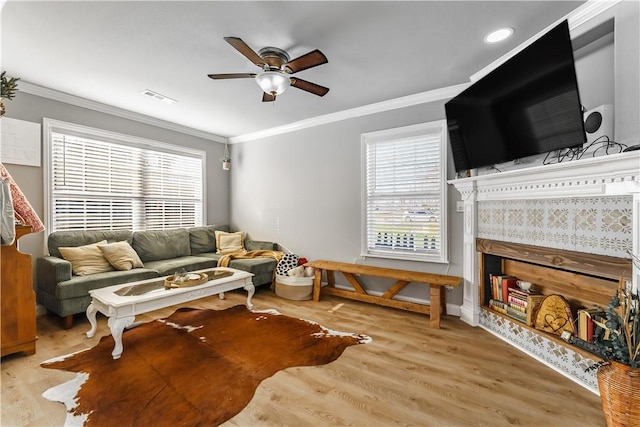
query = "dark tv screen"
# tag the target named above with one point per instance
(528, 105)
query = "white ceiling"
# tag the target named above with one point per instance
(378, 51)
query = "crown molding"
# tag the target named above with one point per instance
(406, 101)
(56, 95)
(378, 107)
(576, 18)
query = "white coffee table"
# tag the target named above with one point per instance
(122, 309)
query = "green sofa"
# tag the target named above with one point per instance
(162, 253)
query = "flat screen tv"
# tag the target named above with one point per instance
(528, 105)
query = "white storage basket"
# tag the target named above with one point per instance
(294, 288)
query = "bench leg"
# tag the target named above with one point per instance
(317, 283)
(435, 308)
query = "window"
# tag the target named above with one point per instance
(107, 181)
(404, 193)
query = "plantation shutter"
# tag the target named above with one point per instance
(98, 184)
(404, 195)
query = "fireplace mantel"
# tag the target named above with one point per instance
(616, 175)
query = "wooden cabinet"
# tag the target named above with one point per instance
(17, 299)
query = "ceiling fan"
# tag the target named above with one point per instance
(276, 77)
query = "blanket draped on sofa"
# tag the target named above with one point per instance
(226, 259)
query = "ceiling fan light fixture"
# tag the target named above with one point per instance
(273, 82)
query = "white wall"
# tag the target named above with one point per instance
(302, 190)
(622, 59)
(30, 179)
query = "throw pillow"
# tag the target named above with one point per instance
(87, 259)
(227, 243)
(287, 262)
(121, 255)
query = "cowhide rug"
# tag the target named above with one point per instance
(194, 368)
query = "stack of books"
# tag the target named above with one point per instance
(507, 298)
(500, 285)
(499, 306)
(523, 305)
(590, 322)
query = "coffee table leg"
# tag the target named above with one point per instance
(117, 327)
(250, 291)
(221, 295)
(91, 315)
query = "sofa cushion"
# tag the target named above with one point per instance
(121, 255)
(63, 307)
(86, 260)
(81, 238)
(203, 239)
(211, 255)
(160, 245)
(167, 267)
(257, 245)
(79, 286)
(257, 266)
(261, 267)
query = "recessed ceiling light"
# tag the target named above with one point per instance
(498, 35)
(158, 96)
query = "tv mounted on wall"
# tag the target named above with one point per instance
(528, 105)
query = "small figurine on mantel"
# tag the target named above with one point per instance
(16, 209)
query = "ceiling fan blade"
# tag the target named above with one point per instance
(309, 87)
(267, 97)
(231, 76)
(311, 59)
(244, 49)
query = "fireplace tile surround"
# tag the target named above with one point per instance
(590, 205)
(599, 225)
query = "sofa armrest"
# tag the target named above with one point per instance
(257, 245)
(50, 271)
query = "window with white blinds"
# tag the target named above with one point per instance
(404, 193)
(107, 181)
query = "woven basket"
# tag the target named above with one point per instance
(619, 386)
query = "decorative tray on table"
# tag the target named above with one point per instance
(185, 280)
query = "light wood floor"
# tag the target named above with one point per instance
(410, 375)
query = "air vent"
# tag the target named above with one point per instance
(158, 96)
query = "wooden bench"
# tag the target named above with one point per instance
(436, 282)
